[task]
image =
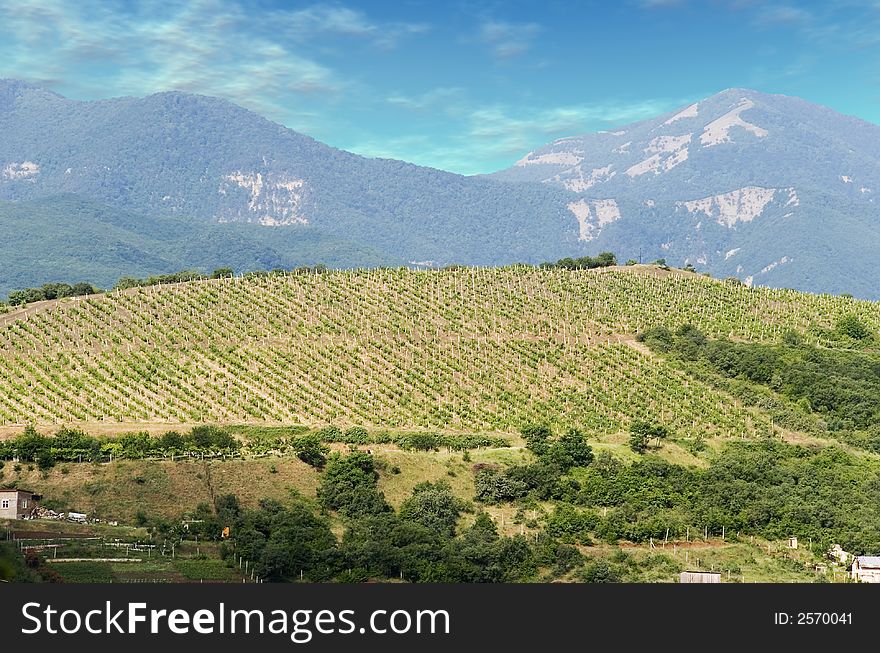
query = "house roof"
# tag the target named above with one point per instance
(16, 489)
(869, 561)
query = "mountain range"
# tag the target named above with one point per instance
(768, 188)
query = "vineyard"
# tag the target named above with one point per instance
(459, 349)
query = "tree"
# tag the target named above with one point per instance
(220, 273)
(136, 445)
(211, 438)
(435, 506)
(496, 486)
(641, 433)
(638, 437)
(31, 445)
(172, 442)
(850, 325)
(350, 486)
(570, 450)
(537, 437)
(228, 509)
(310, 449)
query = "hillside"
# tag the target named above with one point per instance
(466, 349)
(588, 433)
(768, 188)
(70, 238)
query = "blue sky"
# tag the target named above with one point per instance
(468, 86)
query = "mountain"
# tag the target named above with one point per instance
(769, 188)
(207, 161)
(71, 239)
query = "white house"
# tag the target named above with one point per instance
(866, 569)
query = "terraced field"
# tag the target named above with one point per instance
(463, 349)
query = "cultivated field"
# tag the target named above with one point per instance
(468, 349)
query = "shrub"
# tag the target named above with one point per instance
(852, 326)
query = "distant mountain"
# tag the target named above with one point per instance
(769, 188)
(207, 161)
(65, 238)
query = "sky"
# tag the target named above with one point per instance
(468, 86)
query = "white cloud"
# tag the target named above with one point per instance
(509, 40)
(484, 138)
(321, 19)
(446, 99)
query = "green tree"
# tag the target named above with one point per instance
(435, 506)
(310, 449)
(570, 450)
(638, 436)
(494, 485)
(850, 325)
(172, 442)
(537, 437)
(349, 485)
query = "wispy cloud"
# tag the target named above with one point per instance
(197, 46)
(443, 98)
(512, 131)
(482, 135)
(214, 47)
(785, 15)
(508, 40)
(321, 19)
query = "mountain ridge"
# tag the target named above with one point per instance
(768, 188)
(765, 168)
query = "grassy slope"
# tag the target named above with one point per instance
(471, 349)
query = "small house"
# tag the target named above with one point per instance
(17, 504)
(866, 569)
(792, 542)
(700, 577)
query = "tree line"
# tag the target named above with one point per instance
(833, 389)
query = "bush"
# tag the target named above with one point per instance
(852, 326)
(599, 571)
(330, 434)
(420, 441)
(356, 435)
(310, 449)
(349, 485)
(494, 485)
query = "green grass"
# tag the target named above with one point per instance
(84, 572)
(207, 570)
